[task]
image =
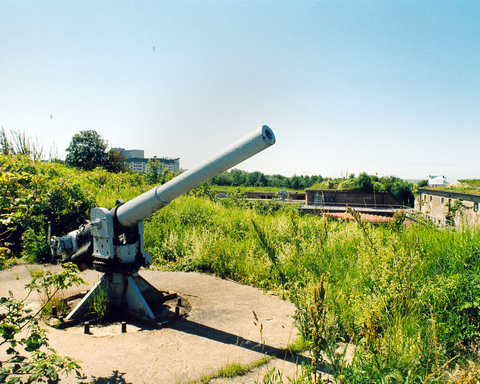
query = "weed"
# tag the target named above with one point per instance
(28, 356)
(50, 286)
(232, 370)
(258, 324)
(101, 303)
(275, 376)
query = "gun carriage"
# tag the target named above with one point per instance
(112, 241)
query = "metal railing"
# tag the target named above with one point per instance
(359, 205)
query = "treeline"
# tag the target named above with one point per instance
(88, 150)
(399, 188)
(239, 178)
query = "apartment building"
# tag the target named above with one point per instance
(137, 162)
(131, 153)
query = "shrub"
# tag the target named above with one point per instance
(32, 195)
(35, 361)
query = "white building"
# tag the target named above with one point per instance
(440, 181)
(131, 153)
(137, 162)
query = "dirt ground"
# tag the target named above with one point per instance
(219, 329)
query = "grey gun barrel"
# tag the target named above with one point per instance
(136, 210)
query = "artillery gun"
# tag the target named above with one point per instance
(112, 241)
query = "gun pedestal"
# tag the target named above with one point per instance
(118, 253)
(127, 293)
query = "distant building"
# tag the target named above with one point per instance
(137, 165)
(327, 198)
(440, 181)
(137, 162)
(131, 153)
(438, 204)
(173, 165)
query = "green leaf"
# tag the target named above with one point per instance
(33, 343)
(28, 368)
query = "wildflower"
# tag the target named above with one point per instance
(49, 203)
(76, 204)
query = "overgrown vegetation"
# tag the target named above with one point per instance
(402, 190)
(28, 356)
(464, 186)
(407, 298)
(239, 178)
(101, 303)
(34, 194)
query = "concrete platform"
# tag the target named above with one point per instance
(218, 330)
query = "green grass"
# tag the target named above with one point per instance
(325, 185)
(408, 298)
(227, 188)
(475, 182)
(471, 186)
(231, 370)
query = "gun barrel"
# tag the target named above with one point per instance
(136, 210)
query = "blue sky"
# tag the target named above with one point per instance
(383, 87)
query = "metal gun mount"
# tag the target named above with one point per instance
(112, 241)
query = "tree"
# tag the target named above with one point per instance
(422, 184)
(379, 187)
(278, 181)
(154, 172)
(403, 191)
(238, 177)
(295, 182)
(116, 162)
(5, 145)
(87, 150)
(315, 179)
(364, 183)
(223, 179)
(457, 207)
(256, 179)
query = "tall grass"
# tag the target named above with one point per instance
(408, 298)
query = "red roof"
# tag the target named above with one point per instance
(363, 216)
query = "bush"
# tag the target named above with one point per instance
(32, 195)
